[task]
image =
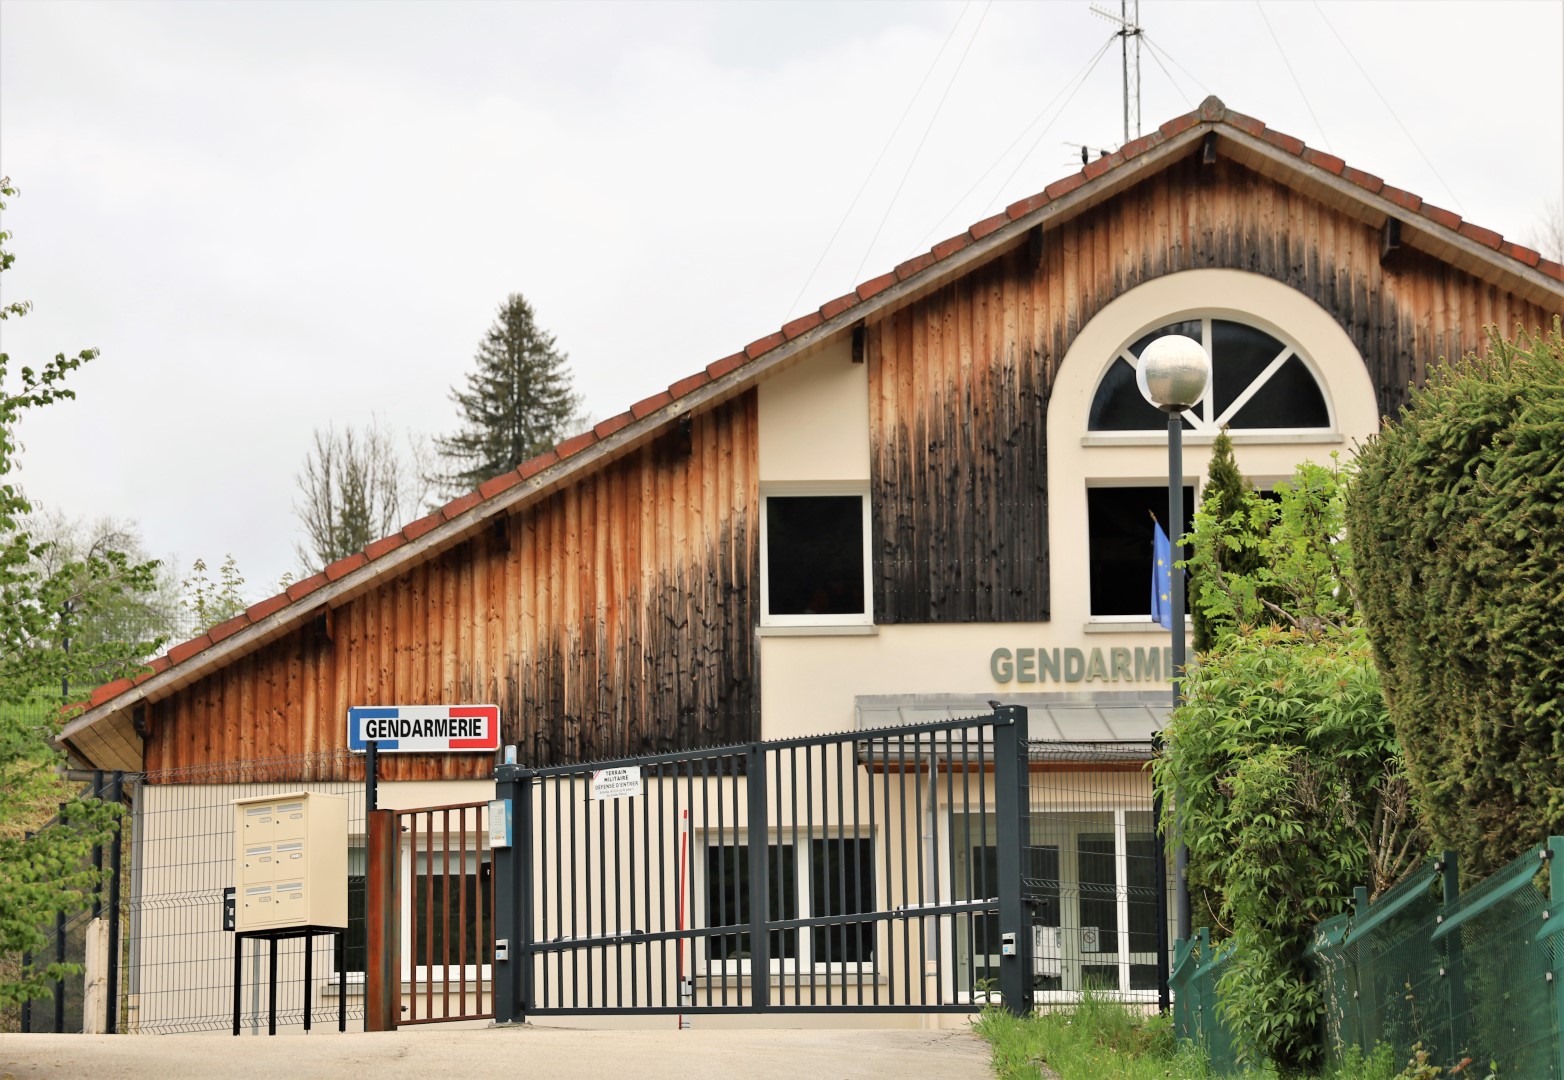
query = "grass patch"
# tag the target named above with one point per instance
(1103, 1040)
(1096, 1039)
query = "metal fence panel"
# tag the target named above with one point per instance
(1475, 976)
(833, 873)
(177, 971)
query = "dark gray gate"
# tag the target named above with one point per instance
(823, 873)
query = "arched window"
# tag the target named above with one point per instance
(1287, 381)
(1258, 383)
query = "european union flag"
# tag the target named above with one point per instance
(1161, 577)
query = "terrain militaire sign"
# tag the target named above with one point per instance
(425, 729)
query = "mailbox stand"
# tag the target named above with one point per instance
(273, 936)
(290, 878)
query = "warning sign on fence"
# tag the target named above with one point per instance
(616, 783)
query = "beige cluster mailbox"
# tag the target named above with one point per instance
(291, 861)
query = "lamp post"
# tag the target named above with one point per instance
(1172, 375)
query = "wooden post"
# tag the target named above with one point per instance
(383, 969)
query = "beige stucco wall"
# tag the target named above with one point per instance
(814, 419)
(810, 682)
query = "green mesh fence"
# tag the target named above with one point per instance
(1472, 976)
(1197, 966)
(1477, 975)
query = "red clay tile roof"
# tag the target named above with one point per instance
(1211, 111)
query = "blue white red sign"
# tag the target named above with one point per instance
(424, 729)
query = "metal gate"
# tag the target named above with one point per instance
(815, 874)
(447, 932)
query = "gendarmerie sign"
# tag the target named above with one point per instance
(1073, 665)
(425, 729)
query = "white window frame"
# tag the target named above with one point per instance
(804, 963)
(796, 490)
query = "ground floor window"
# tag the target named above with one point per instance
(352, 947)
(449, 931)
(809, 879)
(1091, 879)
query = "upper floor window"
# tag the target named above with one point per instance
(1257, 383)
(814, 556)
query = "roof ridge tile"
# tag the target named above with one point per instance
(1283, 141)
(613, 424)
(460, 505)
(496, 484)
(1438, 214)
(832, 308)
(876, 285)
(303, 587)
(344, 566)
(718, 368)
(570, 447)
(802, 325)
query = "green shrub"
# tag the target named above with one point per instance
(1282, 763)
(1457, 522)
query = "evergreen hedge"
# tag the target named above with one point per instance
(1457, 522)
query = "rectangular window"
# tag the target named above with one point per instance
(728, 895)
(352, 947)
(814, 555)
(1120, 538)
(841, 882)
(452, 912)
(818, 879)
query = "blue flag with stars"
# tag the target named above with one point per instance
(1161, 577)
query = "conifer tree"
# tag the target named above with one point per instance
(1224, 501)
(517, 404)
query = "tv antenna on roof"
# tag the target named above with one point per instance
(1128, 22)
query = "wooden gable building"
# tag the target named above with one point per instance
(608, 595)
(925, 495)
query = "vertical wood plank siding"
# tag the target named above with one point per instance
(614, 617)
(958, 455)
(959, 379)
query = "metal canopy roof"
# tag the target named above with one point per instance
(1110, 721)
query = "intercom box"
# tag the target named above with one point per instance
(291, 861)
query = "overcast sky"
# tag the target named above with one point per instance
(274, 216)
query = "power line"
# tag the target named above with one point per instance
(1168, 73)
(1173, 60)
(1370, 79)
(949, 37)
(1085, 70)
(919, 149)
(1318, 126)
(1029, 150)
